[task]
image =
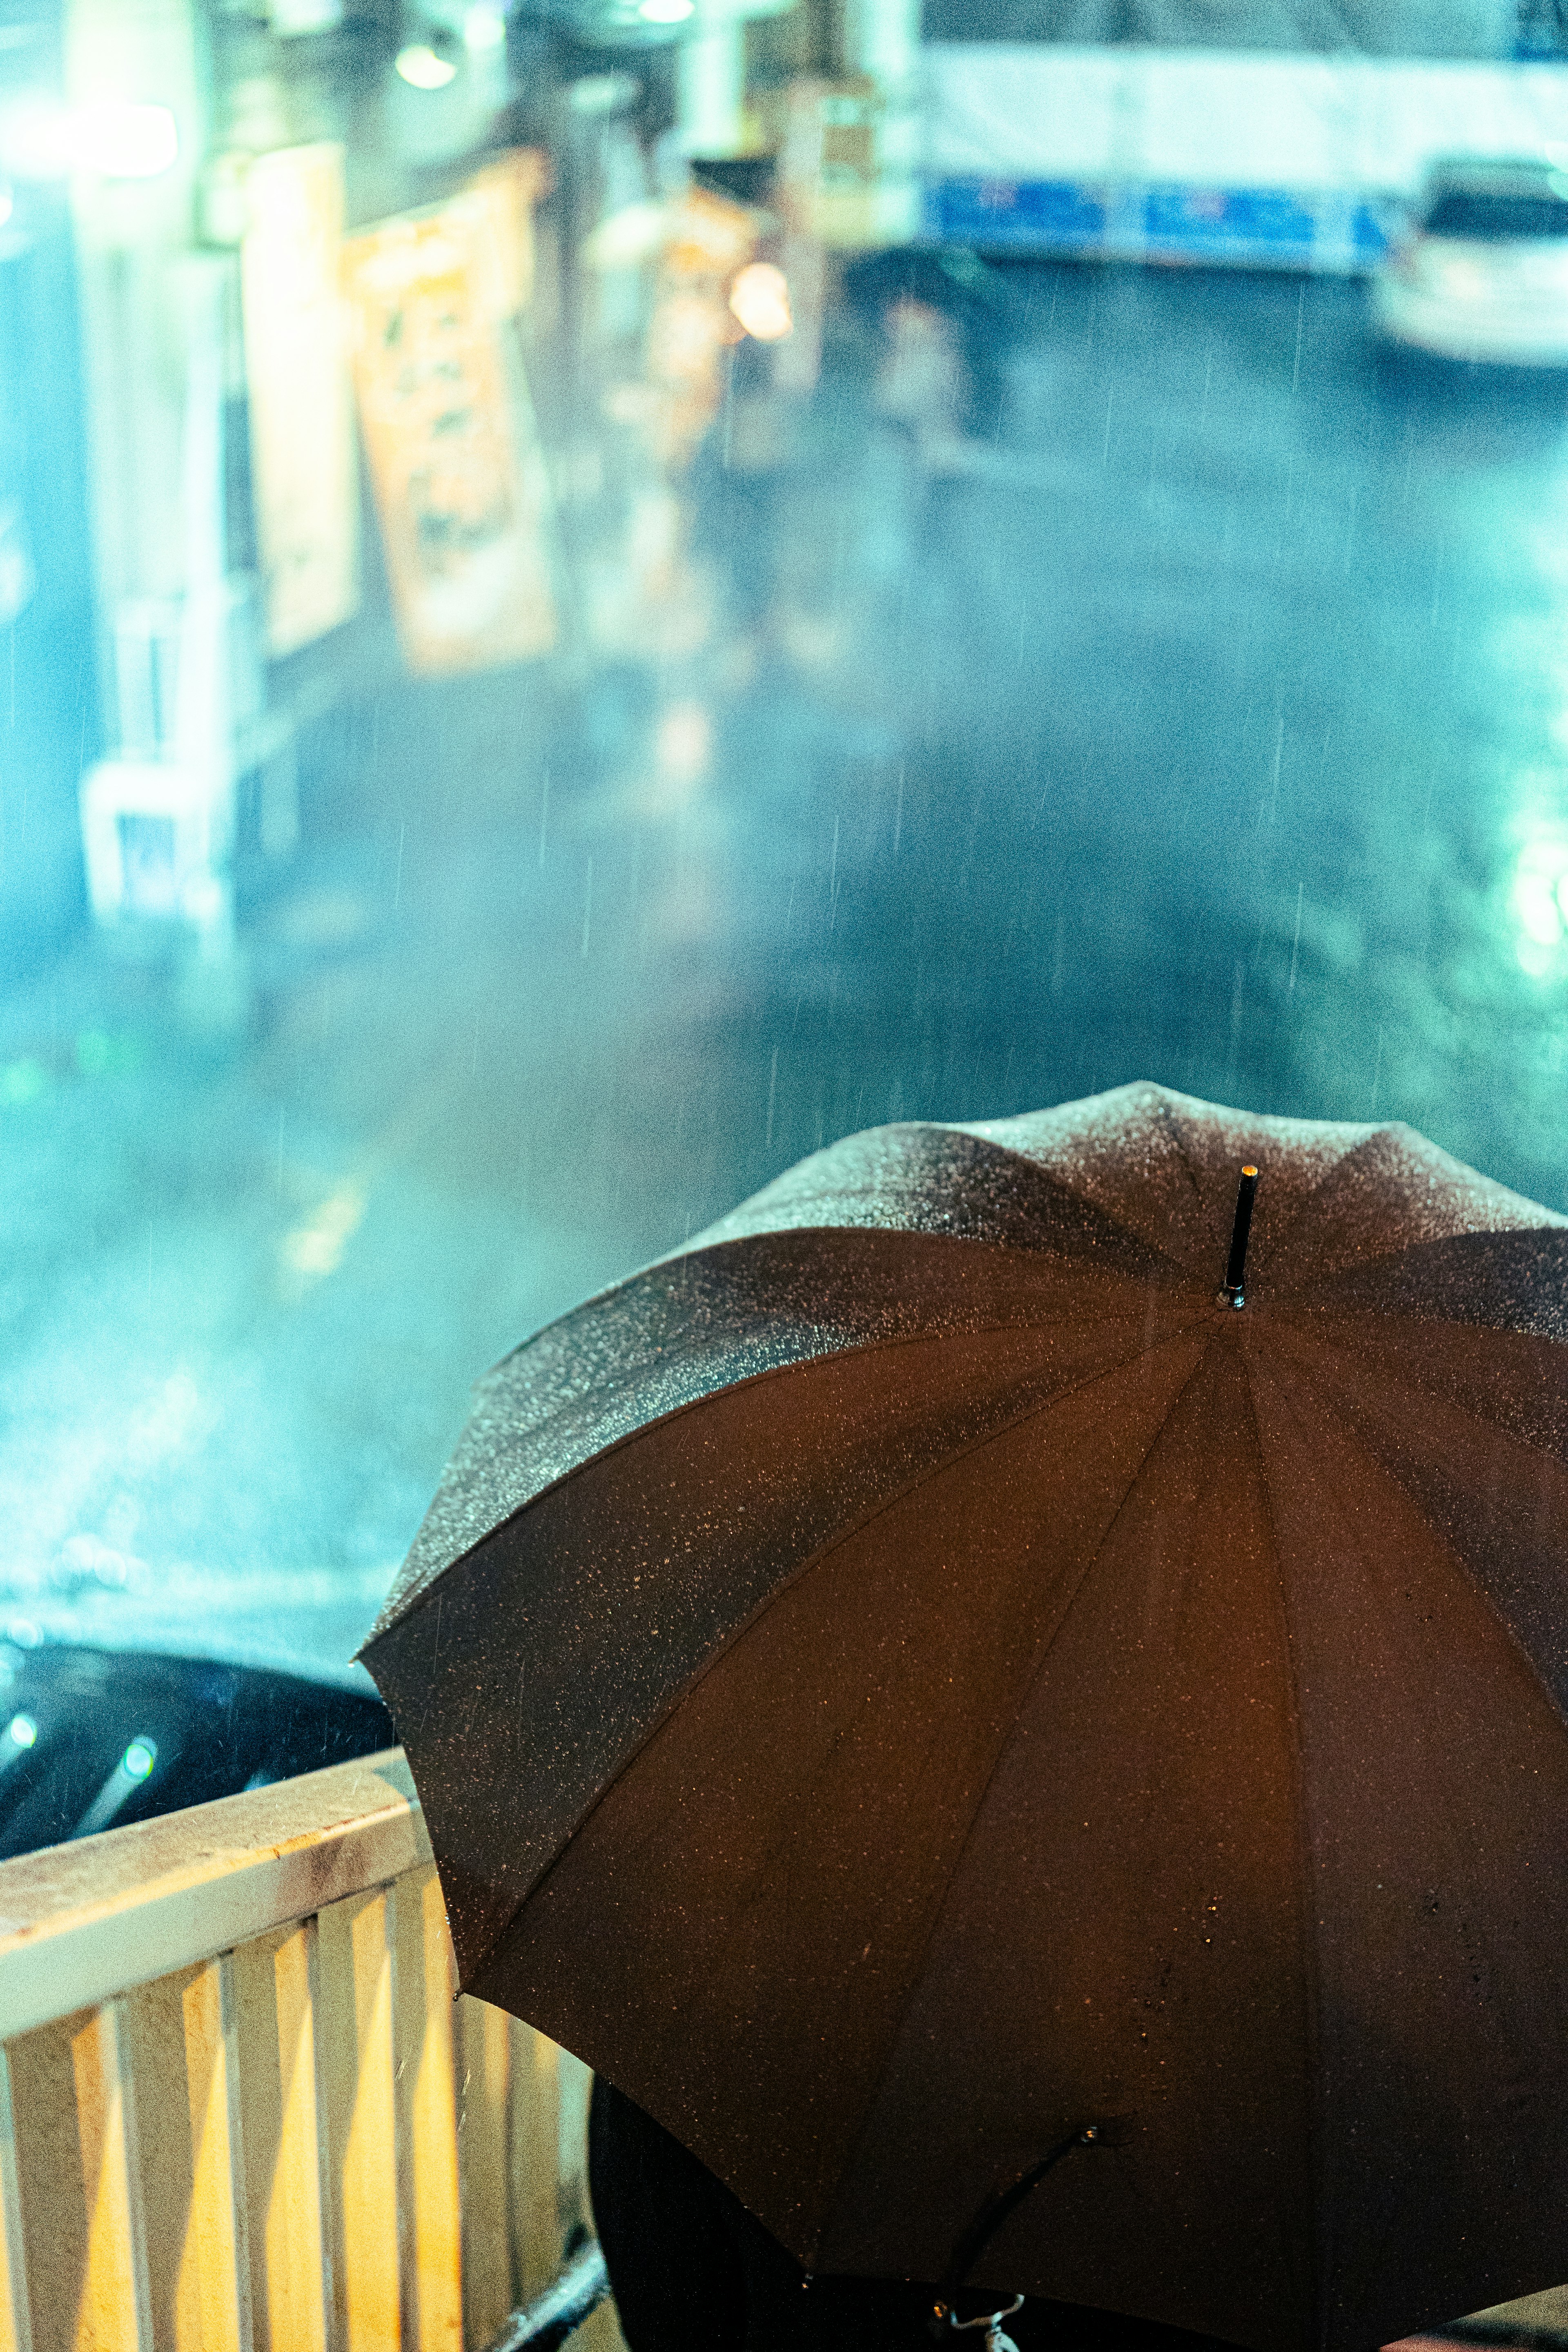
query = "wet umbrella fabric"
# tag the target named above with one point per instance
(914, 1674)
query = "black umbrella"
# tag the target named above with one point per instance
(1029, 1761)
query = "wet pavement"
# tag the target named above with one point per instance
(1104, 674)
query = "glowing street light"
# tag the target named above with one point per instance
(760, 300)
(21, 1735)
(422, 69)
(124, 142)
(116, 139)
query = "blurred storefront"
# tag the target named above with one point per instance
(48, 714)
(332, 314)
(238, 596)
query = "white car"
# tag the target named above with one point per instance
(1481, 273)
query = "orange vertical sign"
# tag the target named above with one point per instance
(458, 477)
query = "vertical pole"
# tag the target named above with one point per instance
(129, 233)
(884, 42)
(713, 82)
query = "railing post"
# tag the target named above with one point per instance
(483, 2072)
(354, 2057)
(276, 2039)
(15, 2325)
(212, 2293)
(430, 2267)
(86, 2255)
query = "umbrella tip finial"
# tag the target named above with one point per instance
(1233, 1293)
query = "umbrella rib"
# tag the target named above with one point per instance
(1538, 1222)
(1343, 1408)
(1355, 1422)
(1191, 1174)
(1311, 1980)
(1039, 1170)
(1354, 1415)
(825, 1551)
(1183, 1270)
(1275, 1242)
(999, 1759)
(1322, 1300)
(417, 1596)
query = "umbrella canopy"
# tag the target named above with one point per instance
(916, 1682)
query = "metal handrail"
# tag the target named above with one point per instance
(545, 2324)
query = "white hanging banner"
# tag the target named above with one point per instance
(301, 416)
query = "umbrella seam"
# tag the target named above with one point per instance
(1312, 1975)
(1273, 1243)
(1003, 1745)
(1354, 1268)
(407, 1604)
(804, 1567)
(1356, 1424)
(1384, 1129)
(1037, 1168)
(1073, 1191)
(1168, 1118)
(1489, 1331)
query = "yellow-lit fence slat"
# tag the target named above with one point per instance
(430, 2266)
(155, 2060)
(80, 2187)
(112, 2310)
(212, 2305)
(16, 2326)
(276, 2042)
(50, 2181)
(575, 2082)
(534, 2142)
(354, 1972)
(266, 2124)
(484, 2061)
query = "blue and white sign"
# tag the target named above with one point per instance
(1249, 158)
(1249, 227)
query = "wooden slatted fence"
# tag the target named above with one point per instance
(240, 2108)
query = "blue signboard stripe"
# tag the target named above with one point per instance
(1284, 226)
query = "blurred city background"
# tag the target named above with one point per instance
(596, 593)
